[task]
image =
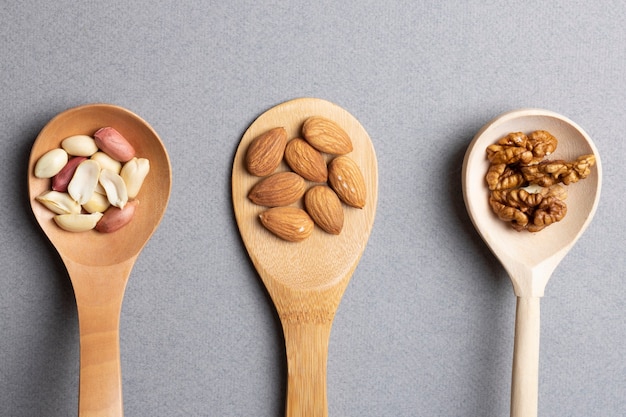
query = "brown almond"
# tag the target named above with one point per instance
(326, 136)
(115, 218)
(346, 179)
(325, 208)
(280, 189)
(288, 223)
(305, 160)
(266, 151)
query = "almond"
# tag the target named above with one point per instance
(288, 223)
(280, 189)
(346, 179)
(326, 136)
(305, 160)
(325, 209)
(266, 151)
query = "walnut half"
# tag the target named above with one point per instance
(529, 211)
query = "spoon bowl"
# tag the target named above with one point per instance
(99, 264)
(306, 280)
(530, 258)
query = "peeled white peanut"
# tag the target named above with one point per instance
(79, 145)
(115, 188)
(97, 203)
(58, 202)
(77, 222)
(133, 173)
(114, 144)
(84, 181)
(51, 163)
(106, 162)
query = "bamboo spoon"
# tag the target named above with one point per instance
(530, 258)
(306, 280)
(99, 264)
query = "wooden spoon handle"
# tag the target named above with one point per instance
(307, 354)
(525, 383)
(99, 291)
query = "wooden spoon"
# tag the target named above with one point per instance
(530, 258)
(99, 264)
(306, 280)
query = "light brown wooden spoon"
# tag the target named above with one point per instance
(99, 264)
(306, 280)
(530, 258)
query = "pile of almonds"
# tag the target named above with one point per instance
(324, 186)
(94, 180)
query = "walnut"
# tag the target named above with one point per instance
(511, 149)
(529, 211)
(548, 173)
(517, 161)
(542, 144)
(502, 177)
(518, 148)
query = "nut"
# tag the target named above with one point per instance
(84, 181)
(288, 223)
(134, 173)
(115, 218)
(346, 179)
(61, 180)
(266, 151)
(51, 163)
(516, 161)
(325, 209)
(106, 162)
(58, 202)
(280, 189)
(305, 160)
(77, 222)
(80, 145)
(115, 188)
(97, 203)
(326, 136)
(111, 142)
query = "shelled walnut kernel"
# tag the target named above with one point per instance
(517, 161)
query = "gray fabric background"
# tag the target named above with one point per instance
(425, 327)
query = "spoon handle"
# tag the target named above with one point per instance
(525, 382)
(99, 291)
(307, 354)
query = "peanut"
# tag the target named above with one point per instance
(133, 173)
(79, 145)
(61, 180)
(51, 163)
(106, 162)
(115, 218)
(115, 188)
(58, 202)
(77, 222)
(111, 142)
(84, 181)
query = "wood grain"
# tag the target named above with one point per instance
(99, 264)
(530, 258)
(306, 280)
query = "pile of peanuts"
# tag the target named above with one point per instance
(94, 180)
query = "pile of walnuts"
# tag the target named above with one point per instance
(517, 162)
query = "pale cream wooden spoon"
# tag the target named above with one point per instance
(99, 264)
(306, 280)
(530, 258)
